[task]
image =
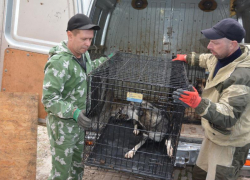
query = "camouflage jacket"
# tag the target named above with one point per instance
(65, 82)
(225, 104)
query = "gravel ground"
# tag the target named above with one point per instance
(44, 165)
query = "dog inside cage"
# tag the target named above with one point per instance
(135, 123)
(147, 119)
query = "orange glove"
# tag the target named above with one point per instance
(190, 98)
(180, 57)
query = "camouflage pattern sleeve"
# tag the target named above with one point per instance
(232, 102)
(98, 62)
(195, 59)
(56, 75)
(95, 63)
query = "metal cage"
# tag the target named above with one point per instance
(133, 114)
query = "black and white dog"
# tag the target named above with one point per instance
(153, 122)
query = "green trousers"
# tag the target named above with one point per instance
(66, 144)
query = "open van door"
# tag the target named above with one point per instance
(28, 30)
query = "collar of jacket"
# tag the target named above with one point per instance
(225, 61)
(225, 72)
(62, 49)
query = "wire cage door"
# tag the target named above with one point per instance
(135, 123)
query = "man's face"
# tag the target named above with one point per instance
(80, 42)
(220, 48)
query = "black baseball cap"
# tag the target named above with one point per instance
(227, 28)
(81, 21)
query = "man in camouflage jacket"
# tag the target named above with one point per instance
(64, 97)
(225, 103)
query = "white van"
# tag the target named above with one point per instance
(155, 28)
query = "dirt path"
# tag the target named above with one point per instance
(91, 173)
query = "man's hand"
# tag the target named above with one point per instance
(81, 119)
(187, 98)
(180, 57)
